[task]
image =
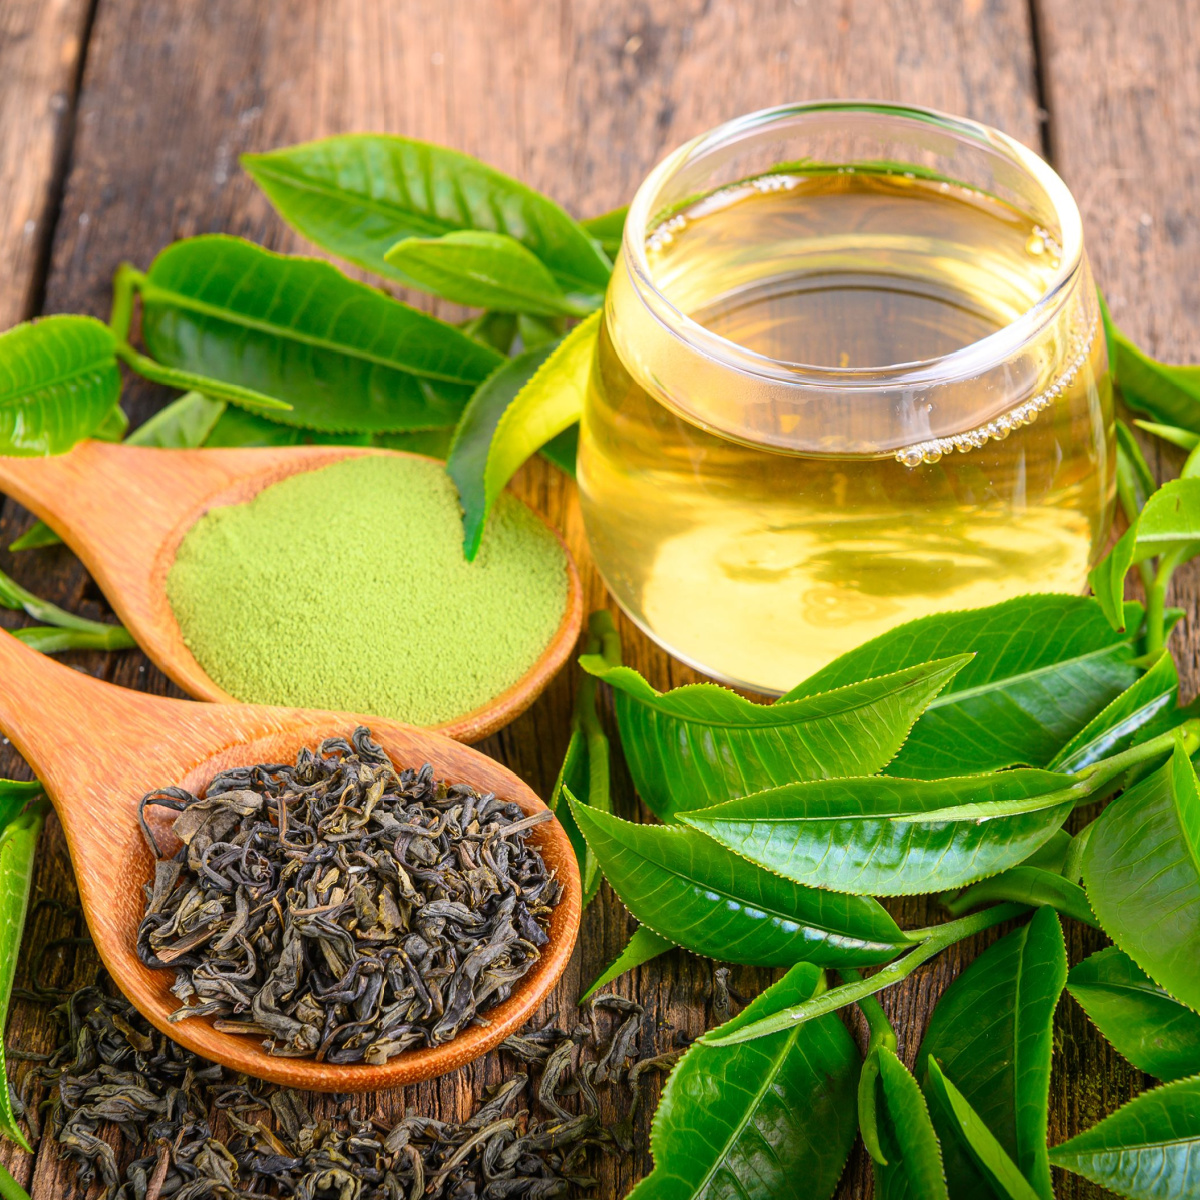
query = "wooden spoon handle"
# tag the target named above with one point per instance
(70, 728)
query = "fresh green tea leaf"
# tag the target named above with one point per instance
(18, 841)
(59, 381)
(1141, 869)
(357, 195)
(775, 1115)
(881, 836)
(346, 357)
(585, 769)
(1169, 394)
(17, 598)
(643, 945)
(1149, 1149)
(1185, 439)
(1107, 578)
(608, 229)
(46, 639)
(1142, 1021)
(537, 331)
(39, 534)
(238, 428)
(1044, 666)
(1170, 522)
(912, 1166)
(1135, 481)
(697, 894)
(551, 401)
(183, 424)
(467, 463)
(702, 744)
(114, 427)
(10, 1189)
(992, 1162)
(991, 1035)
(495, 329)
(562, 449)
(487, 270)
(15, 794)
(1032, 885)
(1117, 726)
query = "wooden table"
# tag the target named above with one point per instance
(122, 121)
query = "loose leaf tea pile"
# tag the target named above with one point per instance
(342, 909)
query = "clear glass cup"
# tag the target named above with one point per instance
(851, 372)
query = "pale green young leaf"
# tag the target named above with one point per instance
(476, 430)
(1025, 884)
(356, 195)
(701, 744)
(1149, 1149)
(1043, 667)
(487, 270)
(18, 842)
(47, 639)
(59, 382)
(643, 945)
(1107, 578)
(1135, 481)
(777, 1114)
(1185, 439)
(1170, 522)
(183, 424)
(344, 356)
(881, 836)
(608, 229)
(551, 401)
(697, 894)
(1141, 869)
(1142, 1020)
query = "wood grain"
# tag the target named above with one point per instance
(1123, 90)
(578, 97)
(41, 47)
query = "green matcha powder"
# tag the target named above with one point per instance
(346, 588)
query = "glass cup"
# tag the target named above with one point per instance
(851, 372)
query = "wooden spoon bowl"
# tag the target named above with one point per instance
(125, 509)
(98, 749)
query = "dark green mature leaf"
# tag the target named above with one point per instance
(991, 1033)
(467, 463)
(1117, 726)
(562, 449)
(18, 841)
(872, 837)
(548, 403)
(608, 229)
(59, 381)
(1149, 1149)
(643, 945)
(236, 427)
(697, 894)
(1143, 1022)
(776, 1115)
(1169, 394)
(701, 744)
(346, 357)
(487, 270)
(979, 1145)
(585, 769)
(1044, 666)
(358, 194)
(14, 795)
(1141, 869)
(912, 1163)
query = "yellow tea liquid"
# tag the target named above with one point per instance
(758, 559)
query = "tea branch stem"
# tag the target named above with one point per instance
(878, 1025)
(936, 938)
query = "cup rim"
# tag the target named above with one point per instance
(964, 362)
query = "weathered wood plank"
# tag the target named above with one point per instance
(579, 98)
(1123, 89)
(40, 46)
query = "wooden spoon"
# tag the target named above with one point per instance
(98, 749)
(125, 509)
